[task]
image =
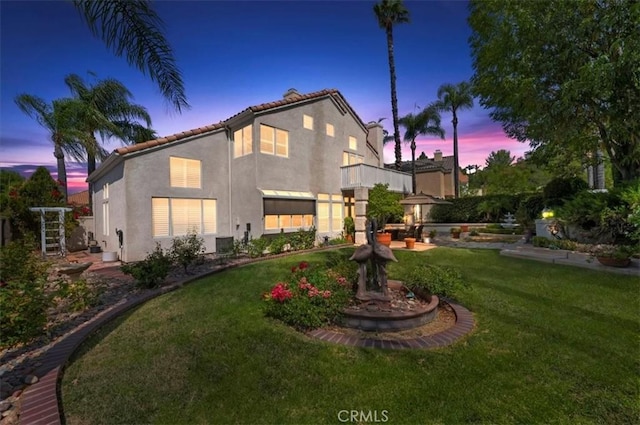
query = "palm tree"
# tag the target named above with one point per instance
(60, 119)
(134, 29)
(390, 12)
(108, 112)
(425, 123)
(454, 98)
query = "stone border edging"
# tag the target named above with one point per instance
(40, 403)
(464, 325)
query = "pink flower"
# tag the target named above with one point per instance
(326, 294)
(342, 281)
(280, 292)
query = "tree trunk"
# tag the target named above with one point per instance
(413, 166)
(91, 167)
(62, 169)
(456, 176)
(394, 99)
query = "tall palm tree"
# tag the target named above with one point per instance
(389, 13)
(60, 119)
(454, 98)
(110, 113)
(132, 28)
(426, 123)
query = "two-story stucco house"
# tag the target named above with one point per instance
(279, 166)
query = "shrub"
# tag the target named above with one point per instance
(561, 189)
(187, 250)
(435, 280)
(472, 209)
(23, 301)
(529, 210)
(540, 241)
(151, 271)
(256, 247)
(303, 239)
(277, 245)
(310, 298)
(78, 295)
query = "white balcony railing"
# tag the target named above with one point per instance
(363, 175)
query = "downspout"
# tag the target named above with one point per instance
(228, 133)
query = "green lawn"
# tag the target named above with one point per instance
(553, 344)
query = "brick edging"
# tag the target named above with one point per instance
(464, 325)
(40, 403)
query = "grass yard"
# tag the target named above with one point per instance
(553, 344)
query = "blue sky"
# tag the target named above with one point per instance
(234, 54)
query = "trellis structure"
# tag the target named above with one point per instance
(52, 232)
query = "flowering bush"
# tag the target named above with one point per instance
(310, 298)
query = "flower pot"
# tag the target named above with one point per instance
(426, 240)
(410, 243)
(455, 235)
(614, 262)
(349, 238)
(384, 238)
(464, 228)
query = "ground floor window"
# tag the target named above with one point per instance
(330, 217)
(288, 222)
(178, 216)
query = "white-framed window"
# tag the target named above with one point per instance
(185, 172)
(288, 221)
(178, 216)
(274, 141)
(307, 122)
(105, 209)
(330, 130)
(349, 158)
(243, 141)
(353, 143)
(330, 209)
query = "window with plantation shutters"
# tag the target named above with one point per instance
(160, 216)
(185, 172)
(274, 141)
(179, 216)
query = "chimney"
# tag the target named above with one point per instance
(437, 155)
(291, 94)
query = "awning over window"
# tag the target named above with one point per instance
(286, 194)
(289, 206)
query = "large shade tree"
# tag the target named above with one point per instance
(133, 28)
(108, 111)
(453, 98)
(562, 74)
(390, 13)
(425, 123)
(59, 118)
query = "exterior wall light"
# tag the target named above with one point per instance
(547, 213)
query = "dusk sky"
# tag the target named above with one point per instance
(234, 54)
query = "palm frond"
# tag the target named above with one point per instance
(133, 29)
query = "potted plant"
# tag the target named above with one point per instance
(613, 255)
(431, 235)
(464, 228)
(410, 243)
(455, 232)
(349, 229)
(382, 206)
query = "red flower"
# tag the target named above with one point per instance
(13, 193)
(294, 269)
(303, 265)
(280, 292)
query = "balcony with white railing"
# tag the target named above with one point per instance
(363, 175)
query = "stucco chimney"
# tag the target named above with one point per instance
(290, 94)
(437, 155)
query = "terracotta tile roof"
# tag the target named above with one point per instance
(426, 164)
(289, 100)
(80, 198)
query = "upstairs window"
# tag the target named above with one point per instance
(274, 141)
(353, 143)
(330, 130)
(185, 172)
(307, 122)
(349, 158)
(242, 141)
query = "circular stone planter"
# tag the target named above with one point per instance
(109, 256)
(383, 319)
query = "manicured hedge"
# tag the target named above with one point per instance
(469, 210)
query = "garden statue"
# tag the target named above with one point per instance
(378, 256)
